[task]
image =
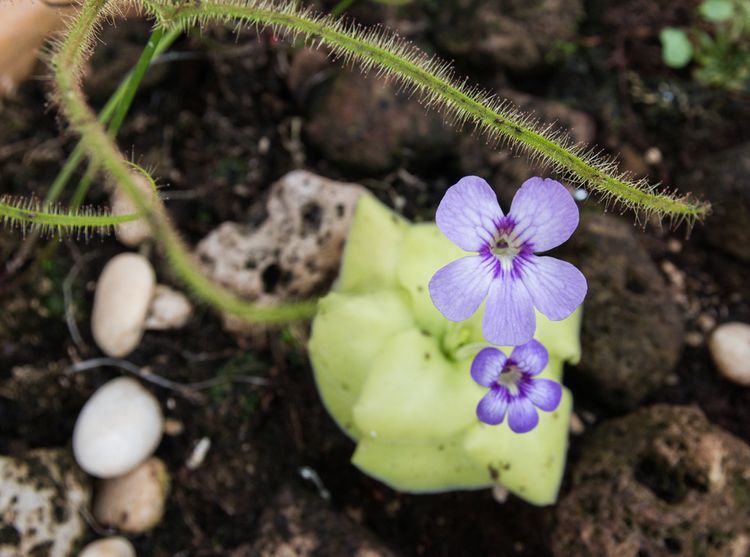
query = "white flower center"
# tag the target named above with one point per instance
(510, 378)
(505, 249)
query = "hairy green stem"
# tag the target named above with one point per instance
(372, 50)
(435, 81)
(157, 43)
(19, 211)
(119, 105)
(67, 63)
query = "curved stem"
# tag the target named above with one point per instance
(117, 105)
(434, 80)
(67, 63)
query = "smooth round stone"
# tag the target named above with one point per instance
(123, 295)
(133, 503)
(729, 345)
(118, 428)
(169, 309)
(109, 547)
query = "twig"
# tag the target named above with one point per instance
(188, 390)
(70, 307)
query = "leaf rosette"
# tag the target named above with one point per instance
(395, 374)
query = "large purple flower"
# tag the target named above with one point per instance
(505, 270)
(514, 388)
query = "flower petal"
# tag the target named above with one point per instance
(487, 366)
(522, 416)
(458, 289)
(544, 212)
(509, 314)
(545, 394)
(468, 213)
(491, 409)
(531, 357)
(556, 287)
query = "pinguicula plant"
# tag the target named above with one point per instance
(401, 378)
(405, 382)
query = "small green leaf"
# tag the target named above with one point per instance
(676, 48)
(371, 252)
(413, 393)
(716, 10)
(424, 250)
(421, 467)
(367, 322)
(531, 466)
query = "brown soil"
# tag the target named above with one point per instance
(198, 121)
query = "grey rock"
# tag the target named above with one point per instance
(724, 180)
(632, 329)
(365, 123)
(515, 34)
(300, 524)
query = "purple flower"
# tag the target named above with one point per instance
(514, 388)
(505, 270)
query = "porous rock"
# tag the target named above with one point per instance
(514, 34)
(121, 301)
(115, 546)
(133, 503)
(294, 253)
(42, 492)
(364, 123)
(632, 329)
(169, 309)
(724, 180)
(729, 344)
(118, 428)
(661, 481)
(300, 524)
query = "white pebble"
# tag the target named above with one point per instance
(109, 547)
(169, 309)
(199, 454)
(123, 295)
(577, 427)
(117, 429)
(134, 503)
(134, 232)
(730, 349)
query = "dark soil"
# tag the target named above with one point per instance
(218, 124)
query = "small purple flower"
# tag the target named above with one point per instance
(505, 270)
(514, 388)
